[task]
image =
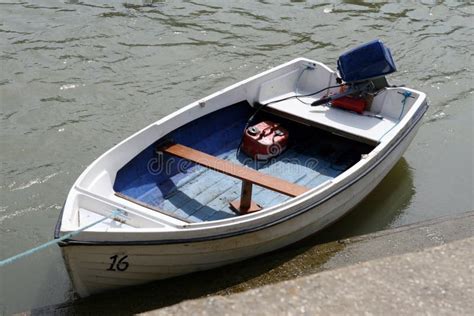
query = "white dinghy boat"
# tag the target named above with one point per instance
(252, 168)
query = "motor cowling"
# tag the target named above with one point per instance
(264, 140)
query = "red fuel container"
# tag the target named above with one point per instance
(349, 103)
(264, 140)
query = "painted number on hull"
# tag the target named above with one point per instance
(118, 264)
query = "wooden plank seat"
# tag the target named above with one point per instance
(247, 175)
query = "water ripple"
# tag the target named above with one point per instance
(14, 32)
(58, 99)
(34, 181)
(28, 210)
(42, 48)
(115, 14)
(62, 41)
(104, 69)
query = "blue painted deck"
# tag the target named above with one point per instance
(196, 194)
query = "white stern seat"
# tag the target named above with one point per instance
(364, 127)
(361, 126)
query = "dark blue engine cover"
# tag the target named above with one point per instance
(366, 61)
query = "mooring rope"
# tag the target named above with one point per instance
(406, 95)
(56, 241)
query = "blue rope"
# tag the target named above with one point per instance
(298, 80)
(297, 83)
(406, 95)
(55, 241)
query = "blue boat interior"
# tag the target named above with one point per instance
(194, 193)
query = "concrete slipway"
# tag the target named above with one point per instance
(424, 268)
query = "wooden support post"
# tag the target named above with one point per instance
(245, 195)
(245, 204)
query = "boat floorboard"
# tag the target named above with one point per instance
(197, 194)
(202, 194)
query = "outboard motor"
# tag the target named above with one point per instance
(367, 61)
(363, 69)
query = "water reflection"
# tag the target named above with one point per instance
(384, 205)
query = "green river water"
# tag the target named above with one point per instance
(76, 77)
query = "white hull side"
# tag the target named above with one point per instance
(88, 264)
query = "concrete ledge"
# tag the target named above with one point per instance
(306, 258)
(436, 281)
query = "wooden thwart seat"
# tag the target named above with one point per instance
(247, 175)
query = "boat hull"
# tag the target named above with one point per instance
(96, 268)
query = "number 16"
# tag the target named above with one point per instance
(121, 265)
